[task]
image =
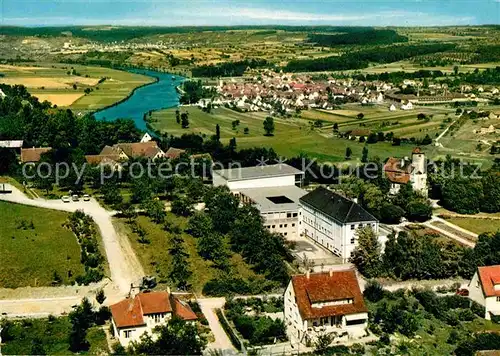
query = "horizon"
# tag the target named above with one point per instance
(175, 13)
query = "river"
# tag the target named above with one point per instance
(155, 96)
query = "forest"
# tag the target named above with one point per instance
(228, 69)
(361, 37)
(362, 59)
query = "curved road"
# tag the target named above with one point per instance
(123, 263)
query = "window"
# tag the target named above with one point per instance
(286, 225)
(360, 226)
(353, 240)
(498, 299)
(157, 317)
(294, 215)
(128, 334)
(281, 225)
(293, 225)
(274, 226)
(286, 233)
(353, 227)
(288, 215)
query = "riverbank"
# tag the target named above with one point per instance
(158, 95)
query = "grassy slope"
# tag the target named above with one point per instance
(156, 260)
(478, 226)
(291, 137)
(29, 257)
(53, 336)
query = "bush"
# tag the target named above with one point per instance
(373, 291)
(235, 340)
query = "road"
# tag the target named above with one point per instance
(222, 342)
(124, 266)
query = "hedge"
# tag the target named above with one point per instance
(235, 340)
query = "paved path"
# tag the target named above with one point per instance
(124, 266)
(449, 234)
(222, 342)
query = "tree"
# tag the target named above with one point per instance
(182, 206)
(82, 318)
(100, 296)
(111, 193)
(232, 145)
(462, 195)
(360, 116)
(391, 214)
(419, 210)
(177, 116)
(491, 188)
(246, 130)
(323, 342)
(367, 254)
(217, 132)
(348, 153)
(200, 225)
(222, 207)
(455, 70)
(269, 126)
(179, 272)
(155, 209)
(141, 190)
(185, 120)
(175, 338)
(335, 127)
(364, 157)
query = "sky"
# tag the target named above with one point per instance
(250, 12)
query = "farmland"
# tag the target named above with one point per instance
(297, 135)
(75, 86)
(34, 245)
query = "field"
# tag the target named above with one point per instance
(34, 244)
(296, 136)
(65, 85)
(155, 259)
(29, 334)
(478, 226)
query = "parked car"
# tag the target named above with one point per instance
(86, 197)
(75, 197)
(463, 292)
(66, 199)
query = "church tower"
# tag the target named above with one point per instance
(419, 172)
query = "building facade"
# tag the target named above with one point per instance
(324, 303)
(133, 317)
(332, 221)
(400, 171)
(484, 288)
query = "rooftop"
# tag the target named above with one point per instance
(328, 287)
(130, 312)
(11, 144)
(489, 276)
(243, 173)
(275, 198)
(336, 206)
(33, 154)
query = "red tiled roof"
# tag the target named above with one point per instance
(395, 172)
(155, 302)
(140, 149)
(130, 312)
(98, 159)
(174, 153)
(489, 276)
(323, 287)
(33, 154)
(183, 310)
(417, 150)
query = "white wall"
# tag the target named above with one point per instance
(336, 237)
(137, 332)
(283, 222)
(284, 181)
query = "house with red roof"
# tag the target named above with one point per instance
(401, 171)
(133, 317)
(324, 303)
(484, 288)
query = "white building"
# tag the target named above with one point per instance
(277, 175)
(272, 189)
(484, 288)
(400, 171)
(279, 206)
(323, 303)
(133, 317)
(146, 138)
(332, 220)
(407, 106)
